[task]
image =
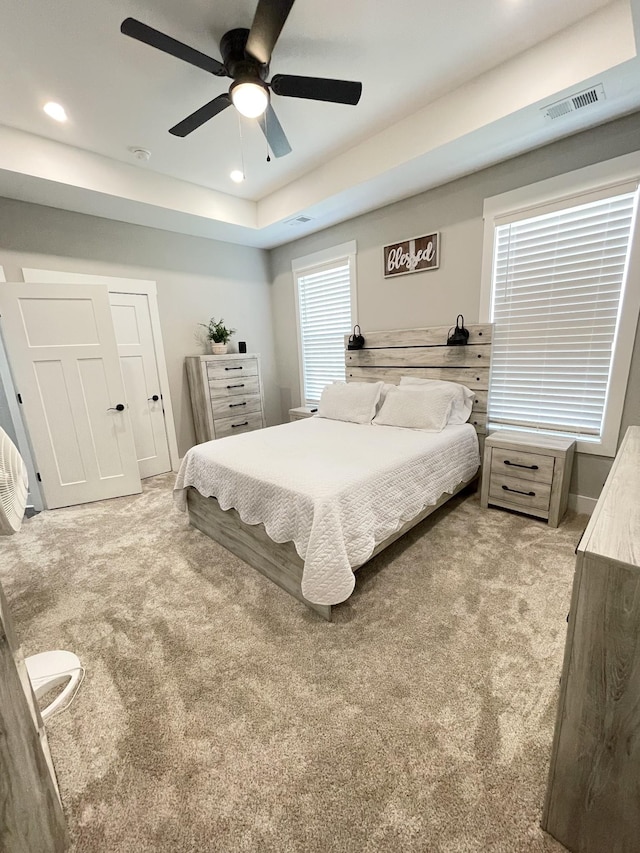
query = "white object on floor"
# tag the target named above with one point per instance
(13, 486)
(50, 669)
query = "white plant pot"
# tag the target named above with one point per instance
(218, 349)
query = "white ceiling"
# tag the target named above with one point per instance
(447, 88)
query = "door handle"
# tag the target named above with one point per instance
(118, 408)
(155, 398)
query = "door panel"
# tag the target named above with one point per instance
(104, 432)
(63, 354)
(59, 421)
(59, 322)
(134, 336)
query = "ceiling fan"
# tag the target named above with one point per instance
(246, 55)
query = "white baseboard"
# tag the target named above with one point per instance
(582, 504)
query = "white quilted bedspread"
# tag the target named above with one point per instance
(335, 489)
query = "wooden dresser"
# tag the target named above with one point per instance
(226, 394)
(30, 812)
(593, 794)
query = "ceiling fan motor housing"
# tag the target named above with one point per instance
(239, 64)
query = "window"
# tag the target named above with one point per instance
(557, 299)
(325, 288)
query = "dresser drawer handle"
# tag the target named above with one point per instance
(518, 465)
(244, 423)
(241, 385)
(518, 492)
(234, 368)
(235, 405)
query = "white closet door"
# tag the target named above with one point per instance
(134, 336)
(63, 354)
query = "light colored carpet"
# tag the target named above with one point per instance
(218, 714)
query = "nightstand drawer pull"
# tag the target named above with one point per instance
(244, 423)
(241, 385)
(235, 405)
(520, 465)
(234, 368)
(518, 492)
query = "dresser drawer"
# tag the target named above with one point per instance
(235, 425)
(232, 385)
(520, 492)
(232, 368)
(235, 407)
(525, 466)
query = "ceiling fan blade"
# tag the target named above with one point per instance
(267, 25)
(195, 120)
(154, 38)
(317, 88)
(274, 133)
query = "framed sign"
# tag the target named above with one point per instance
(414, 255)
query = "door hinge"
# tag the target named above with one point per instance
(19, 396)
(38, 476)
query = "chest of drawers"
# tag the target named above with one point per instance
(226, 394)
(527, 472)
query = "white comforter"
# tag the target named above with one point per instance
(335, 489)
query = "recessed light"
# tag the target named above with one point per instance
(55, 111)
(237, 176)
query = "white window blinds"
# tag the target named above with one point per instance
(557, 286)
(324, 300)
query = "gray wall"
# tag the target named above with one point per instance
(196, 278)
(435, 298)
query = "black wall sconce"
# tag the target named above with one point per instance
(458, 335)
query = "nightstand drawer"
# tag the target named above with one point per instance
(523, 465)
(233, 407)
(520, 492)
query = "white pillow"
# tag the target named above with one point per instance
(463, 399)
(350, 401)
(386, 387)
(415, 407)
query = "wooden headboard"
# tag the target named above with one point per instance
(386, 356)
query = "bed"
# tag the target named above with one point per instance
(309, 502)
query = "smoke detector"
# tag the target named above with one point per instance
(586, 98)
(141, 153)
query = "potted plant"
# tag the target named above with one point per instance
(218, 335)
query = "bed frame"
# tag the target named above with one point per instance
(386, 356)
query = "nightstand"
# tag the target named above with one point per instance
(302, 412)
(527, 472)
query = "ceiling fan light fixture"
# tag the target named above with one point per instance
(249, 97)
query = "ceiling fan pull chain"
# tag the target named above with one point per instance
(244, 174)
(266, 136)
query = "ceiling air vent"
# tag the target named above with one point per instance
(575, 102)
(298, 220)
